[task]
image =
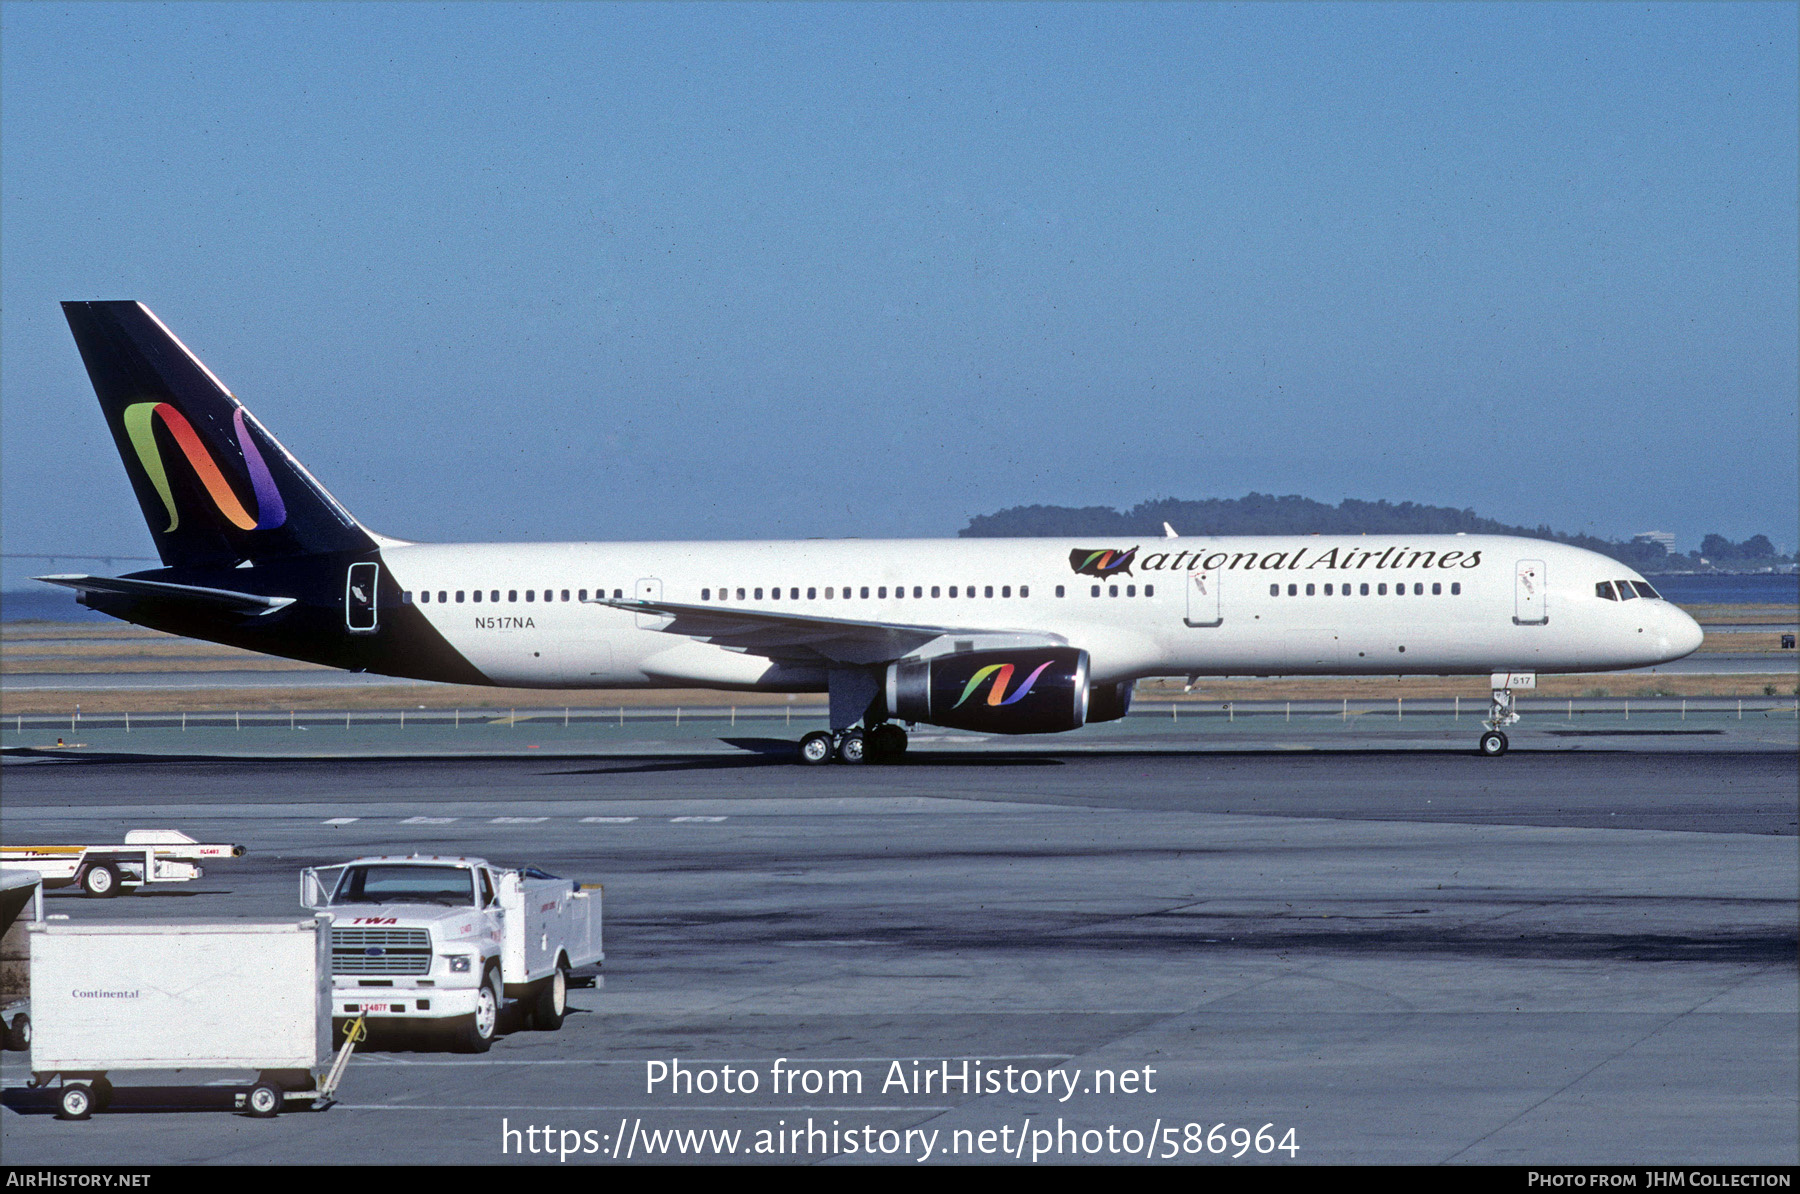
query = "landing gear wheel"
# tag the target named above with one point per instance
(476, 1032)
(551, 1005)
(816, 748)
(75, 1102)
(100, 880)
(1493, 744)
(852, 747)
(886, 742)
(263, 1101)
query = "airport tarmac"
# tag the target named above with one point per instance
(1556, 957)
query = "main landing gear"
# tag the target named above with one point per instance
(1500, 713)
(877, 744)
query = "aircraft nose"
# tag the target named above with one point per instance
(1681, 635)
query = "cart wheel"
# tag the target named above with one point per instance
(75, 1102)
(18, 1037)
(263, 1101)
(100, 879)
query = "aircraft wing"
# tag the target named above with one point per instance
(241, 603)
(793, 637)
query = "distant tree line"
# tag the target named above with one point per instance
(1721, 550)
(1266, 514)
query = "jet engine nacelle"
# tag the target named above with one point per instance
(1042, 690)
(1110, 702)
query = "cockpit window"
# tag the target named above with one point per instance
(1644, 589)
(1605, 589)
(448, 885)
(1626, 592)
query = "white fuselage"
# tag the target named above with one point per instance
(1445, 605)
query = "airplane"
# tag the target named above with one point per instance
(1000, 636)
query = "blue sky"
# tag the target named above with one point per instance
(660, 271)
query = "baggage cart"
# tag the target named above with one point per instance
(216, 995)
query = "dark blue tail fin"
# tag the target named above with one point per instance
(215, 487)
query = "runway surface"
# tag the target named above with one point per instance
(1404, 956)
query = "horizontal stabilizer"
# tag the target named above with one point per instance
(242, 603)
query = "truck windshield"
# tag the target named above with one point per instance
(405, 885)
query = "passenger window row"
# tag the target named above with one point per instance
(1628, 589)
(445, 596)
(851, 592)
(775, 593)
(1381, 589)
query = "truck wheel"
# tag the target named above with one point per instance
(75, 1102)
(475, 1033)
(100, 880)
(263, 1101)
(551, 1004)
(103, 1093)
(18, 1037)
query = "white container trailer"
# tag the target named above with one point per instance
(243, 995)
(18, 891)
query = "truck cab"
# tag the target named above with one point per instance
(449, 942)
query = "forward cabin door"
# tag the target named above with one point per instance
(1203, 597)
(1531, 599)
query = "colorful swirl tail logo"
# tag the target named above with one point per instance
(1003, 674)
(140, 426)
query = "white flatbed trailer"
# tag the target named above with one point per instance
(215, 995)
(145, 856)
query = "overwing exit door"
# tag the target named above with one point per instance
(650, 589)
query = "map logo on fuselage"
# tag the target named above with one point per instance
(1107, 561)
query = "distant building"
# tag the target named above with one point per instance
(1663, 537)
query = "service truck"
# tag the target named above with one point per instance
(447, 942)
(145, 856)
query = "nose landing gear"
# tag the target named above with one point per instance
(1501, 713)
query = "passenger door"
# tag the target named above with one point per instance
(1203, 597)
(360, 586)
(1531, 597)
